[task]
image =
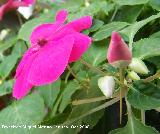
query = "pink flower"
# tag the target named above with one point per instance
(118, 54)
(53, 46)
(14, 4)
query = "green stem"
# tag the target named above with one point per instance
(129, 109)
(106, 104)
(67, 76)
(143, 116)
(114, 13)
(153, 77)
(19, 19)
(99, 70)
(92, 67)
(90, 100)
(75, 76)
(72, 72)
(121, 72)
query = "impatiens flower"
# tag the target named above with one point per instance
(107, 85)
(138, 66)
(53, 46)
(118, 54)
(14, 4)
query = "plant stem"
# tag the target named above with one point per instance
(92, 67)
(99, 70)
(153, 77)
(114, 13)
(90, 100)
(67, 76)
(72, 72)
(19, 19)
(75, 76)
(143, 116)
(129, 109)
(106, 104)
(120, 95)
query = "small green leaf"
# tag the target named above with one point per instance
(131, 15)
(50, 92)
(7, 44)
(92, 10)
(155, 35)
(8, 64)
(107, 29)
(155, 4)
(6, 87)
(131, 30)
(67, 94)
(28, 111)
(144, 95)
(134, 126)
(96, 25)
(96, 54)
(130, 2)
(146, 48)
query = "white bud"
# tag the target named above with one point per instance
(138, 66)
(107, 85)
(26, 11)
(3, 34)
(134, 76)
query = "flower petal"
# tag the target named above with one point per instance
(24, 60)
(22, 85)
(81, 44)
(61, 16)
(44, 31)
(29, 2)
(81, 23)
(51, 61)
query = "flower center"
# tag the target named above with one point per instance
(42, 42)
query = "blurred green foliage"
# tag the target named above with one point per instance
(136, 20)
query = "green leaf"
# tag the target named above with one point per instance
(107, 29)
(10, 61)
(134, 126)
(7, 65)
(97, 24)
(155, 4)
(155, 35)
(96, 54)
(28, 111)
(144, 95)
(71, 88)
(131, 15)
(92, 10)
(93, 119)
(146, 48)
(130, 2)
(7, 44)
(50, 92)
(27, 28)
(6, 87)
(131, 30)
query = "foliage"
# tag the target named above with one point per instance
(75, 100)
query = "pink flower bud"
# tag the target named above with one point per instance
(118, 54)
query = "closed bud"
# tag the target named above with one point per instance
(138, 66)
(118, 54)
(107, 85)
(133, 75)
(26, 12)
